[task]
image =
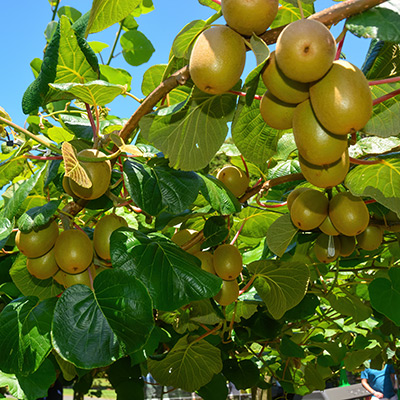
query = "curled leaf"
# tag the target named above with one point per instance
(73, 169)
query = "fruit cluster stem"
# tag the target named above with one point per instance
(364, 162)
(382, 81)
(386, 97)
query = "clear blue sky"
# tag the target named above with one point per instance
(22, 39)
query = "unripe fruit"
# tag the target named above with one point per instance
(207, 261)
(325, 176)
(342, 99)
(59, 277)
(36, 243)
(234, 179)
(347, 245)
(228, 294)
(294, 194)
(327, 248)
(371, 238)
(182, 237)
(309, 210)
(217, 59)
(328, 228)
(228, 263)
(250, 16)
(348, 213)
(43, 267)
(99, 174)
(73, 251)
(315, 144)
(276, 113)
(102, 234)
(305, 50)
(281, 86)
(66, 184)
(85, 277)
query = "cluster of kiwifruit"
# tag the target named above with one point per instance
(225, 261)
(99, 174)
(343, 221)
(219, 54)
(322, 100)
(67, 257)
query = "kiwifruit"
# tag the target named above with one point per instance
(276, 113)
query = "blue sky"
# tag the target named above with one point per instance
(22, 33)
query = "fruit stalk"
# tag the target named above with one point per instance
(386, 97)
(340, 44)
(364, 162)
(92, 123)
(243, 94)
(382, 81)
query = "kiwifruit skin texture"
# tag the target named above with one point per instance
(228, 294)
(234, 179)
(342, 99)
(207, 261)
(249, 16)
(325, 176)
(371, 238)
(294, 194)
(217, 59)
(328, 228)
(102, 234)
(83, 278)
(305, 50)
(185, 235)
(315, 144)
(73, 251)
(348, 213)
(98, 172)
(276, 113)
(37, 242)
(43, 267)
(228, 262)
(321, 248)
(283, 88)
(309, 210)
(347, 245)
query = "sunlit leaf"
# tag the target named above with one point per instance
(136, 48)
(73, 169)
(280, 234)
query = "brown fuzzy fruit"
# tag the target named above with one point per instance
(207, 261)
(371, 238)
(73, 251)
(327, 248)
(347, 245)
(315, 144)
(309, 210)
(37, 242)
(250, 16)
(102, 234)
(348, 213)
(234, 179)
(182, 237)
(328, 228)
(342, 99)
(305, 50)
(99, 174)
(217, 59)
(281, 86)
(228, 263)
(85, 277)
(228, 294)
(276, 113)
(293, 195)
(43, 267)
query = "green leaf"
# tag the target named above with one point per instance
(374, 145)
(281, 285)
(116, 76)
(381, 22)
(210, 3)
(239, 310)
(10, 170)
(37, 216)
(304, 309)
(221, 199)
(88, 326)
(385, 296)
(216, 389)
(152, 78)
(289, 348)
(288, 13)
(30, 286)
(215, 232)
(313, 378)
(98, 47)
(280, 234)
(6, 228)
(173, 191)
(72, 13)
(189, 365)
(25, 342)
(243, 374)
(385, 119)
(59, 135)
(96, 93)
(379, 181)
(354, 359)
(105, 13)
(192, 135)
(382, 61)
(184, 39)
(136, 48)
(20, 195)
(11, 382)
(171, 275)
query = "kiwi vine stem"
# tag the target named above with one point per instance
(340, 46)
(382, 81)
(385, 97)
(245, 165)
(217, 2)
(277, 205)
(364, 162)
(43, 158)
(248, 284)
(238, 233)
(92, 123)
(243, 94)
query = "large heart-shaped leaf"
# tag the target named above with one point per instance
(25, 334)
(379, 181)
(171, 190)
(10, 170)
(281, 285)
(185, 38)
(280, 234)
(288, 13)
(37, 216)
(385, 295)
(171, 275)
(73, 169)
(189, 365)
(136, 48)
(88, 326)
(190, 134)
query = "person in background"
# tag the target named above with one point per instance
(380, 383)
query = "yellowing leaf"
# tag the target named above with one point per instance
(126, 148)
(73, 169)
